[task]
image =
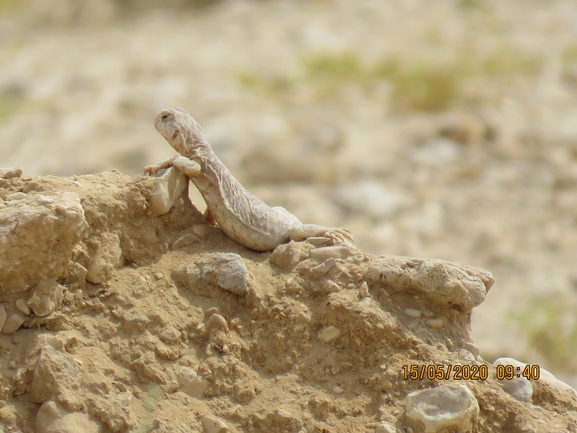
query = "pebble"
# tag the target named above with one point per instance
(212, 424)
(519, 387)
(329, 333)
(216, 321)
(338, 390)
(413, 312)
(435, 323)
(185, 241)
(46, 298)
(13, 323)
(472, 348)
(22, 307)
(385, 428)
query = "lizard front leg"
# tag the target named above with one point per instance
(151, 170)
(186, 166)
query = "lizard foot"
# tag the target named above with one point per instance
(338, 235)
(151, 170)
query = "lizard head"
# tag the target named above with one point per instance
(181, 131)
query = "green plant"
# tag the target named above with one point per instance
(550, 324)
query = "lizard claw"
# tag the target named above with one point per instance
(338, 235)
(151, 170)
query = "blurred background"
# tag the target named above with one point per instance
(443, 129)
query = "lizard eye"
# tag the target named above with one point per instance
(164, 116)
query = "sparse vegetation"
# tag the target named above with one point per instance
(418, 83)
(550, 324)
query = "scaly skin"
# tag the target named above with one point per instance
(241, 215)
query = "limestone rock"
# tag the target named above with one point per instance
(53, 374)
(37, 236)
(442, 282)
(226, 270)
(52, 418)
(46, 298)
(450, 406)
(287, 256)
(544, 377)
(214, 425)
(167, 188)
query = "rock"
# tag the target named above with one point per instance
(385, 428)
(185, 241)
(449, 406)
(227, 271)
(191, 383)
(214, 425)
(335, 251)
(39, 233)
(52, 418)
(216, 321)
(53, 374)
(46, 298)
(22, 307)
(441, 282)
(329, 333)
(287, 256)
(519, 387)
(435, 323)
(472, 348)
(544, 375)
(13, 323)
(167, 189)
(322, 269)
(106, 258)
(2, 316)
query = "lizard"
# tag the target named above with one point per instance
(240, 215)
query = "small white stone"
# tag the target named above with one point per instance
(338, 390)
(385, 428)
(413, 312)
(212, 424)
(22, 307)
(472, 348)
(216, 321)
(283, 414)
(435, 323)
(329, 333)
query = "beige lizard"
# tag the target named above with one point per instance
(241, 215)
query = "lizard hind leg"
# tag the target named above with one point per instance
(337, 235)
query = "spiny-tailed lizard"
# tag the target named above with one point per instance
(241, 215)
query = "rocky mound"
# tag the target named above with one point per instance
(115, 319)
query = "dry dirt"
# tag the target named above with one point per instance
(330, 109)
(152, 349)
